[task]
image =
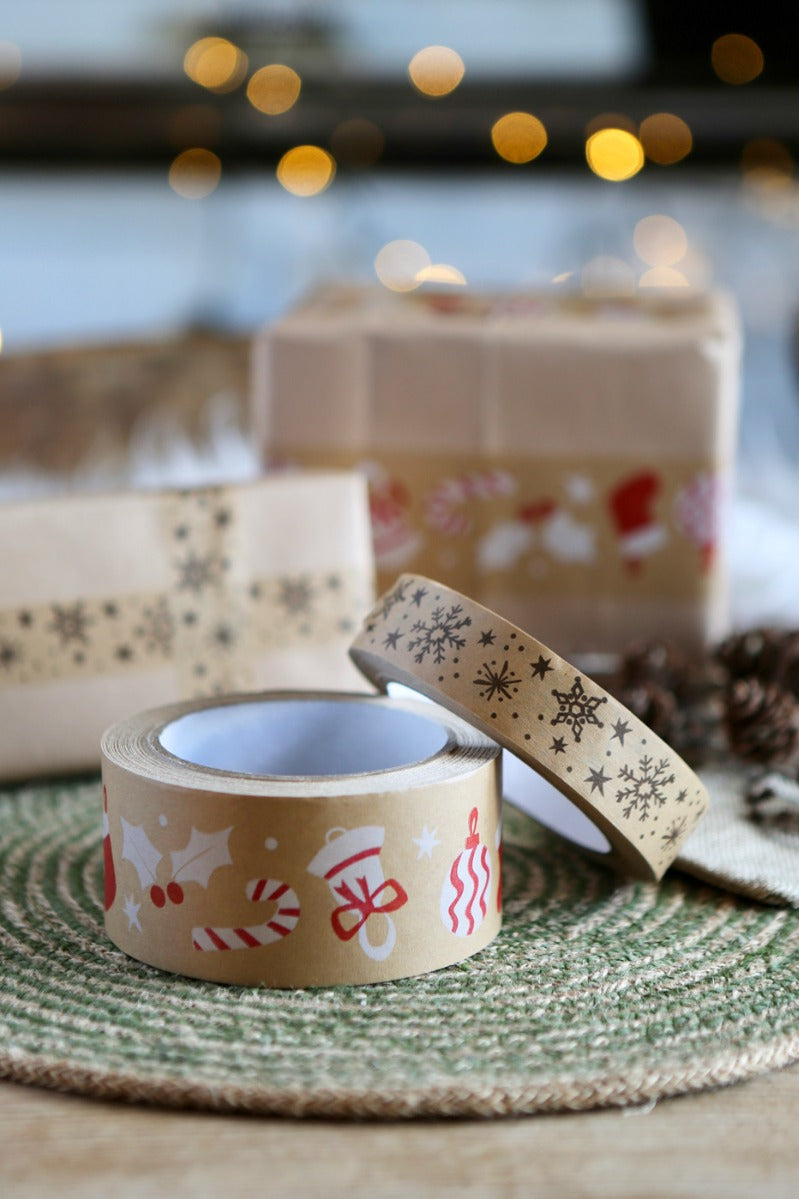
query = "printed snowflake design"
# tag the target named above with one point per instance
(496, 684)
(70, 622)
(389, 601)
(576, 708)
(157, 628)
(196, 573)
(673, 834)
(9, 654)
(646, 786)
(443, 633)
(295, 595)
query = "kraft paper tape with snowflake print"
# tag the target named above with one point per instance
(291, 839)
(636, 791)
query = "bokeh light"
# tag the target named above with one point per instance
(306, 170)
(441, 272)
(436, 70)
(660, 241)
(562, 277)
(10, 63)
(614, 154)
(518, 137)
(767, 155)
(605, 278)
(736, 58)
(399, 263)
(216, 64)
(663, 276)
(195, 173)
(274, 89)
(357, 142)
(666, 138)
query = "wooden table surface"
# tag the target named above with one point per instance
(742, 1141)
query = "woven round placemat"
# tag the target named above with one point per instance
(594, 994)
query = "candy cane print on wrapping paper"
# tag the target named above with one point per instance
(463, 895)
(445, 503)
(255, 936)
(350, 864)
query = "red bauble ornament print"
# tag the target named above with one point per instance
(463, 896)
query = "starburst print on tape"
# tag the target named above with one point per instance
(463, 903)
(576, 708)
(194, 863)
(495, 682)
(255, 936)
(350, 864)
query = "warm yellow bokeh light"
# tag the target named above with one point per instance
(274, 89)
(195, 173)
(436, 70)
(611, 120)
(660, 240)
(10, 63)
(663, 276)
(736, 58)
(441, 272)
(518, 137)
(614, 154)
(605, 277)
(306, 170)
(357, 142)
(215, 63)
(399, 264)
(666, 138)
(766, 154)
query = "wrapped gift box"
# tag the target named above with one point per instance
(566, 461)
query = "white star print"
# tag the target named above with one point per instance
(131, 910)
(426, 842)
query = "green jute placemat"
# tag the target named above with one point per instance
(594, 994)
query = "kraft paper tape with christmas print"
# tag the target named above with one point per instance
(291, 839)
(637, 792)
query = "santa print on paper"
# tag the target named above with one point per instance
(350, 864)
(638, 531)
(463, 904)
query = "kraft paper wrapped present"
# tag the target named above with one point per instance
(566, 461)
(112, 604)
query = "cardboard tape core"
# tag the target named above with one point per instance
(301, 738)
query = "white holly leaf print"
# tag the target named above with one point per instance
(204, 854)
(139, 849)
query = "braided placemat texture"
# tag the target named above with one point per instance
(594, 994)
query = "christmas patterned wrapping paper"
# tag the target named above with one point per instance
(112, 604)
(531, 451)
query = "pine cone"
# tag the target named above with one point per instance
(762, 721)
(788, 665)
(666, 666)
(754, 654)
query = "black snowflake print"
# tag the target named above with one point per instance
(443, 633)
(70, 622)
(674, 833)
(576, 708)
(157, 629)
(195, 574)
(646, 786)
(496, 684)
(9, 654)
(389, 601)
(295, 594)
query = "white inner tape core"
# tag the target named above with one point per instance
(527, 790)
(302, 738)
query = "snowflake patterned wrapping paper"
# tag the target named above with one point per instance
(112, 604)
(293, 839)
(634, 788)
(529, 450)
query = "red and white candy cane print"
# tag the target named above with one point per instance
(444, 509)
(254, 936)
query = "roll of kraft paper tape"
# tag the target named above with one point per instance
(301, 839)
(639, 795)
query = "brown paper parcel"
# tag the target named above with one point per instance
(301, 839)
(528, 450)
(637, 791)
(112, 604)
